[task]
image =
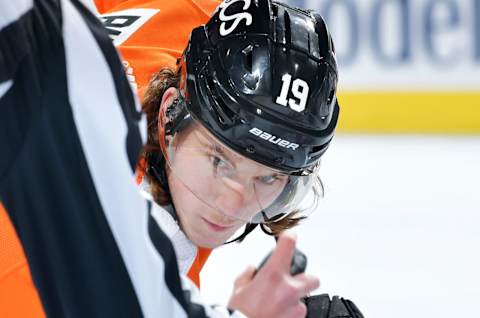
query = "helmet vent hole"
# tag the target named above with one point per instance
(224, 114)
(248, 58)
(288, 30)
(331, 96)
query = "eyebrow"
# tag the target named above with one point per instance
(216, 147)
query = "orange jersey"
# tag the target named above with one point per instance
(18, 296)
(150, 35)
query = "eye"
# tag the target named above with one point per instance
(268, 179)
(217, 161)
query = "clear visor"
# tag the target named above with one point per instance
(235, 186)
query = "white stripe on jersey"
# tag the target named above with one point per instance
(12, 10)
(4, 87)
(95, 107)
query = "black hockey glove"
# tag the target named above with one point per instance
(320, 306)
(298, 265)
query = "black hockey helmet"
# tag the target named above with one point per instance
(261, 77)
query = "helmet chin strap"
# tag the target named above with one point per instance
(249, 227)
(156, 167)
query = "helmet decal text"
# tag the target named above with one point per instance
(299, 89)
(236, 18)
(273, 139)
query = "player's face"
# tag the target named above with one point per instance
(216, 191)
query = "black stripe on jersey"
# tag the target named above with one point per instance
(22, 56)
(17, 36)
(157, 237)
(48, 190)
(195, 310)
(14, 37)
(123, 89)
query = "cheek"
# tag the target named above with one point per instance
(193, 174)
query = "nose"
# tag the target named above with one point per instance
(231, 197)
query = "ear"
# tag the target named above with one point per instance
(167, 99)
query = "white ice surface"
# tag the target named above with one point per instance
(398, 231)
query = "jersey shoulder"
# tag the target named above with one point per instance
(151, 35)
(203, 6)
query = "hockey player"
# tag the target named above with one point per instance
(237, 129)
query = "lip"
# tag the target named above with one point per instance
(215, 227)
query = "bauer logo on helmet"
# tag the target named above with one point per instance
(273, 139)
